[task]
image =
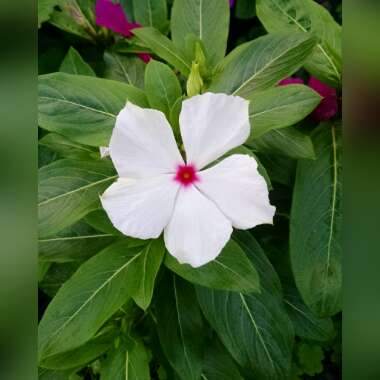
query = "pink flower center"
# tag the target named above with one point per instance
(186, 175)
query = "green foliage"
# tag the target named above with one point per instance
(280, 107)
(206, 20)
(123, 308)
(74, 64)
(315, 226)
(310, 18)
(254, 67)
(231, 270)
(162, 87)
(83, 108)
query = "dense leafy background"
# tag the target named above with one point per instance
(114, 308)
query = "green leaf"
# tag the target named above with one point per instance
(289, 142)
(164, 48)
(306, 324)
(261, 63)
(153, 13)
(49, 374)
(231, 270)
(124, 68)
(207, 20)
(83, 108)
(315, 225)
(310, 358)
(68, 190)
(88, 299)
(280, 169)
(253, 327)
(280, 107)
(66, 148)
(180, 327)
(127, 363)
(73, 63)
(245, 9)
(45, 9)
(84, 354)
(74, 17)
(310, 18)
(75, 243)
(57, 275)
(162, 87)
(218, 364)
(148, 266)
(99, 220)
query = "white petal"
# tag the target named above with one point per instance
(211, 125)
(239, 191)
(197, 231)
(142, 143)
(104, 151)
(141, 208)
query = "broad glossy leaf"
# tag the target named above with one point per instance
(162, 87)
(99, 220)
(148, 266)
(208, 20)
(83, 108)
(180, 327)
(280, 169)
(245, 9)
(73, 16)
(310, 18)
(45, 9)
(75, 243)
(67, 148)
(57, 275)
(84, 354)
(73, 63)
(280, 107)
(164, 48)
(315, 225)
(218, 364)
(88, 299)
(253, 327)
(51, 374)
(231, 270)
(261, 63)
(153, 13)
(306, 324)
(127, 363)
(68, 190)
(288, 142)
(124, 68)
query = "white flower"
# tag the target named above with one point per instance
(195, 207)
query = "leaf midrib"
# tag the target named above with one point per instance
(93, 295)
(76, 190)
(251, 78)
(320, 47)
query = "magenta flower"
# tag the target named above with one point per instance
(232, 3)
(112, 17)
(328, 107)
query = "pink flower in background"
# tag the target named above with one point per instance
(232, 3)
(112, 17)
(291, 80)
(328, 107)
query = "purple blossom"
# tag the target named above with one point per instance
(232, 3)
(328, 107)
(112, 17)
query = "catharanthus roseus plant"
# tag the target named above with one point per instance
(189, 198)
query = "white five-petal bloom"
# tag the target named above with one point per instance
(195, 206)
